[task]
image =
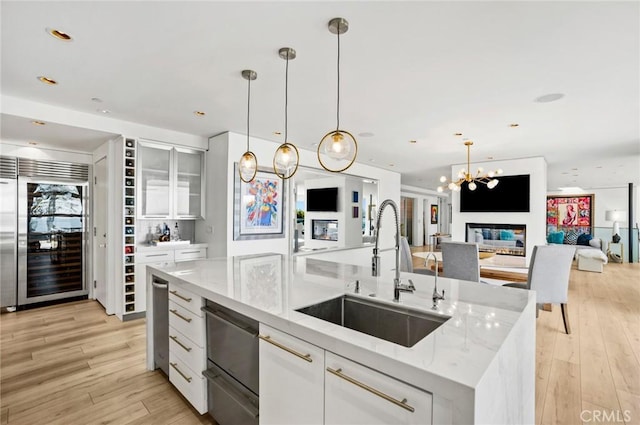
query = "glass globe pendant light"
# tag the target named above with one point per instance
(248, 165)
(286, 158)
(338, 149)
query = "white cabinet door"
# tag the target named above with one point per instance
(154, 181)
(355, 394)
(189, 184)
(291, 379)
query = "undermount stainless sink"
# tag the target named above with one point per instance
(396, 324)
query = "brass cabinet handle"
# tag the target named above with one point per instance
(175, 338)
(268, 339)
(402, 403)
(182, 297)
(175, 366)
(186, 319)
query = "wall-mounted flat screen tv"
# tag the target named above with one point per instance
(322, 199)
(510, 195)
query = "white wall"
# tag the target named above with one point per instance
(225, 150)
(534, 220)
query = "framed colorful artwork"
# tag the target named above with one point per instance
(258, 206)
(574, 212)
(434, 214)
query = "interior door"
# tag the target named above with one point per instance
(100, 207)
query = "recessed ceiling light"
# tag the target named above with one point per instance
(33, 143)
(565, 172)
(551, 97)
(457, 134)
(391, 165)
(96, 99)
(103, 111)
(413, 141)
(599, 166)
(366, 134)
(489, 157)
(60, 35)
(574, 169)
(200, 113)
(38, 123)
(277, 133)
(514, 125)
(47, 80)
(372, 160)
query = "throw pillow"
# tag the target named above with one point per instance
(596, 243)
(486, 234)
(556, 237)
(583, 239)
(507, 235)
(571, 237)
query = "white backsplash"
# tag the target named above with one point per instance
(143, 227)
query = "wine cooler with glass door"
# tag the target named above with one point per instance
(52, 233)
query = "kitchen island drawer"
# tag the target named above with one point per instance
(186, 350)
(185, 298)
(191, 384)
(187, 323)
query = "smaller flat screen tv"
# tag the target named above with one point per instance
(510, 195)
(323, 199)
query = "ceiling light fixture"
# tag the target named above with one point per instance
(199, 113)
(338, 147)
(38, 123)
(464, 175)
(60, 35)
(286, 158)
(514, 125)
(248, 162)
(47, 80)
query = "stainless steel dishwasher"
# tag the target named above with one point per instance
(232, 374)
(160, 323)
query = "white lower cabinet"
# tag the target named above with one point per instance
(291, 380)
(187, 354)
(355, 394)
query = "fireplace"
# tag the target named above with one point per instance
(506, 239)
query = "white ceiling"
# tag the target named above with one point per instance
(409, 71)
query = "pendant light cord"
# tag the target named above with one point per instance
(338, 97)
(248, 110)
(286, 96)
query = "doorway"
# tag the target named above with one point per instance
(406, 218)
(100, 203)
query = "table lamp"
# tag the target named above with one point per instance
(616, 216)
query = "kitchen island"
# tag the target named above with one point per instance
(478, 366)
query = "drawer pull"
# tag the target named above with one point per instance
(175, 338)
(190, 252)
(182, 297)
(402, 403)
(224, 318)
(268, 339)
(155, 255)
(186, 378)
(186, 319)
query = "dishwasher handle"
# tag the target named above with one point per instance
(220, 316)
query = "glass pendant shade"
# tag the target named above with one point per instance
(248, 166)
(338, 149)
(286, 160)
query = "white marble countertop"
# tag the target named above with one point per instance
(451, 360)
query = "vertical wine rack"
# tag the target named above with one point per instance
(129, 225)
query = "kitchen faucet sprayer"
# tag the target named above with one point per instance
(375, 261)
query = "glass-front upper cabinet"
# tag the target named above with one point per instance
(154, 185)
(171, 182)
(189, 183)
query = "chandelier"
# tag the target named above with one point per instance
(464, 175)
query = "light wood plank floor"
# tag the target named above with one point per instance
(71, 364)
